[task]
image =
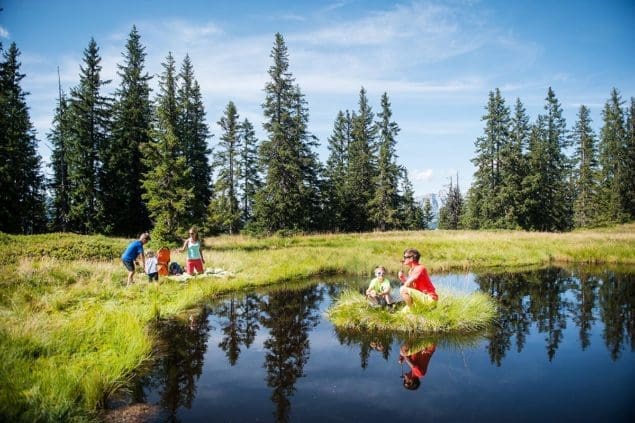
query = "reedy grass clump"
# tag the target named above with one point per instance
(454, 313)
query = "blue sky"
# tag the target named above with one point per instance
(437, 60)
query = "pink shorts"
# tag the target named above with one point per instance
(195, 264)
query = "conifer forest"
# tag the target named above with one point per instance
(127, 159)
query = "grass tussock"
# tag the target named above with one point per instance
(454, 313)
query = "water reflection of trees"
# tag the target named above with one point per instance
(289, 316)
(550, 297)
(180, 362)
(367, 342)
(239, 324)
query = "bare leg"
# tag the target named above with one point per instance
(405, 296)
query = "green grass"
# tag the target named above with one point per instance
(454, 313)
(71, 332)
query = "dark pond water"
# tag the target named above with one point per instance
(562, 350)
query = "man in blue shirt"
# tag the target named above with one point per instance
(134, 250)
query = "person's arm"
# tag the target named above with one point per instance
(404, 356)
(414, 274)
(143, 261)
(184, 246)
(408, 361)
(200, 251)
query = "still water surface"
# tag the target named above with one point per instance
(562, 349)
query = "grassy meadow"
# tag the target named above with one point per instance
(71, 332)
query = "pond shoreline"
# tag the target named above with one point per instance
(64, 301)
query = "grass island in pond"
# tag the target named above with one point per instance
(454, 313)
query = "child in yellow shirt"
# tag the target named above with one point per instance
(379, 287)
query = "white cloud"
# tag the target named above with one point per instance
(393, 41)
(424, 175)
(187, 32)
(3, 32)
(335, 6)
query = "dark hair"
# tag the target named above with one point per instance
(412, 252)
(413, 385)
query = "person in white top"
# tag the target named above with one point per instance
(151, 266)
(195, 258)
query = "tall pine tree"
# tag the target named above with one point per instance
(89, 131)
(166, 183)
(548, 194)
(59, 183)
(249, 170)
(123, 168)
(585, 170)
(630, 159)
(335, 198)
(193, 132)
(486, 207)
(224, 210)
(362, 166)
(384, 204)
(613, 161)
(22, 207)
(513, 170)
(289, 192)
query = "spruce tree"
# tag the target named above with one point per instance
(513, 170)
(224, 210)
(166, 183)
(336, 172)
(312, 214)
(612, 159)
(630, 160)
(123, 168)
(288, 197)
(535, 188)
(409, 215)
(59, 183)
(385, 201)
(362, 166)
(548, 194)
(451, 213)
(585, 170)
(559, 142)
(193, 132)
(22, 209)
(89, 131)
(428, 214)
(486, 205)
(249, 170)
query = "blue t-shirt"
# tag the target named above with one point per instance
(132, 252)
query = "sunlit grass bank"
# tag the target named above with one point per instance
(71, 332)
(455, 312)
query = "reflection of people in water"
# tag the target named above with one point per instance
(417, 359)
(377, 345)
